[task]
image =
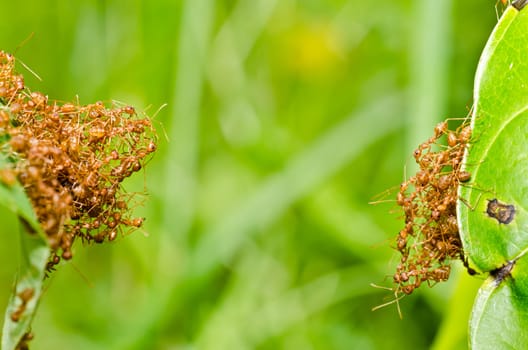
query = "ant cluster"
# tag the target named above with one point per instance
(71, 160)
(430, 238)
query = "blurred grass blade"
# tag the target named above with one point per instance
(453, 330)
(192, 49)
(320, 160)
(270, 313)
(430, 52)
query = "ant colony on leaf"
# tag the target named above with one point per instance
(71, 160)
(430, 238)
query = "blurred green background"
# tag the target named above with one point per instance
(283, 120)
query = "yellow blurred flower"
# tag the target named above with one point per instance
(312, 50)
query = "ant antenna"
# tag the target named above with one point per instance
(30, 70)
(19, 46)
(24, 42)
(83, 276)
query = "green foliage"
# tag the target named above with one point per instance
(28, 290)
(258, 237)
(493, 215)
(35, 253)
(498, 125)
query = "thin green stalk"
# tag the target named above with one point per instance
(453, 332)
(184, 129)
(429, 69)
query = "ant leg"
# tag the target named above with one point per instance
(465, 262)
(472, 208)
(381, 197)
(396, 299)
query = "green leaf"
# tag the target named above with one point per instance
(493, 210)
(497, 156)
(35, 254)
(499, 319)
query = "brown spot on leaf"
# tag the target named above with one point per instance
(520, 4)
(502, 272)
(503, 213)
